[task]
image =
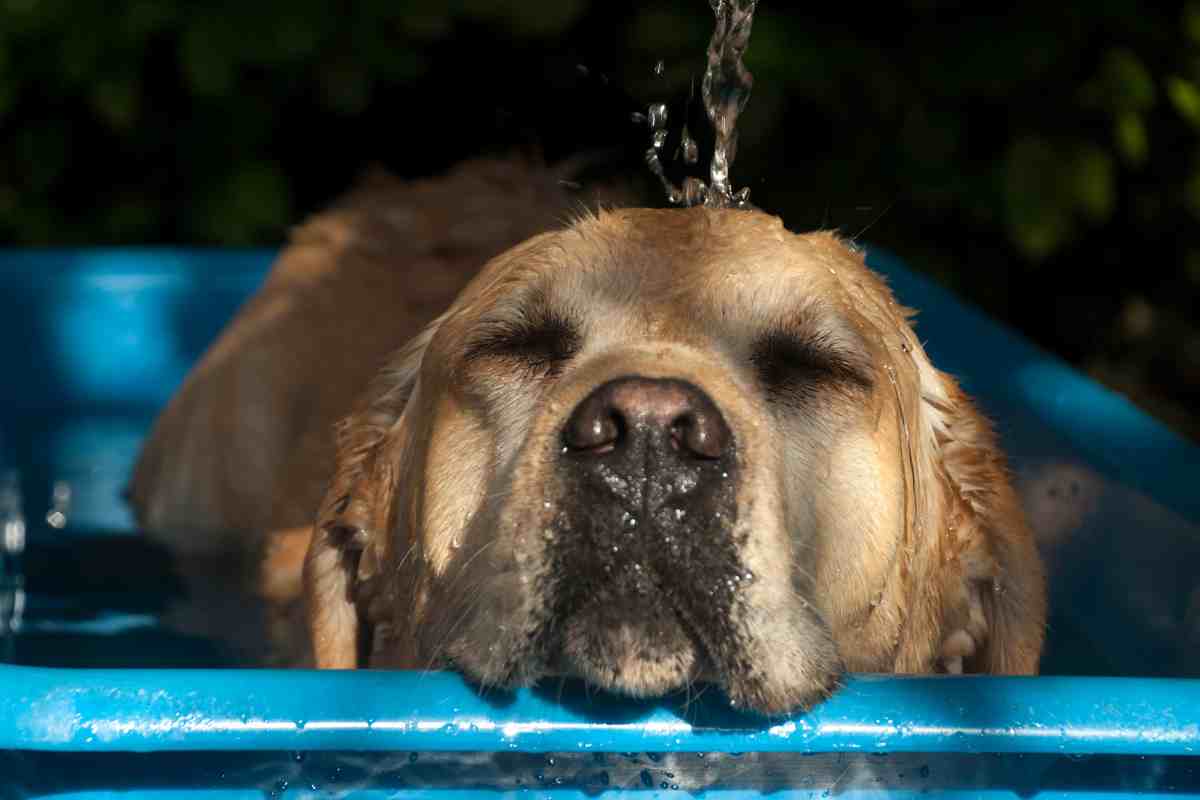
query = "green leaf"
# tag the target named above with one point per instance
(248, 207)
(1191, 266)
(1130, 133)
(1185, 97)
(1122, 83)
(207, 59)
(1093, 183)
(1037, 209)
(345, 88)
(117, 101)
(1039, 237)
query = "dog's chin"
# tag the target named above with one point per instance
(641, 657)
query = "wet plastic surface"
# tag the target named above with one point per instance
(92, 343)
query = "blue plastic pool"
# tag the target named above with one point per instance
(100, 699)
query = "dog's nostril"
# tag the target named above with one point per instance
(695, 434)
(598, 431)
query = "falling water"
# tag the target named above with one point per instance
(725, 89)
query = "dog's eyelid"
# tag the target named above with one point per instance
(543, 333)
(819, 352)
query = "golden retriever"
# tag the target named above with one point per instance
(645, 448)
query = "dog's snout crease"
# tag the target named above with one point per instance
(656, 412)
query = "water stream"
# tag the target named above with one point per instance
(725, 89)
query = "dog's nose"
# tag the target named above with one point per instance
(667, 415)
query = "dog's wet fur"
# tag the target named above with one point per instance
(644, 447)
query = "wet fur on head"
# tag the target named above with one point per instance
(874, 514)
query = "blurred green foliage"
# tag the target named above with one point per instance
(1018, 153)
(76, 75)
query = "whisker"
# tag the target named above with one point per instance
(445, 638)
(463, 569)
(408, 553)
(871, 224)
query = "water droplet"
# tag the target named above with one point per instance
(412, 758)
(688, 148)
(550, 761)
(680, 514)
(924, 771)
(657, 115)
(297, 756)
(659, 67)
(659, 139)
(695, 192)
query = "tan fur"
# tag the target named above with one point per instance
(896, 504)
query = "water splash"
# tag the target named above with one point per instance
(60, 505)
(725, 89)
(12, 575)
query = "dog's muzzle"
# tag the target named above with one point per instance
(644, 545)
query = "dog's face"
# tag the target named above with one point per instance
(667, 446)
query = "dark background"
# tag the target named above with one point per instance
(1043, 161)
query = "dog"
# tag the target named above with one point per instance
(644, 448)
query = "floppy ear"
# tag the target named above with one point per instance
(348, 537)
(1002, 626)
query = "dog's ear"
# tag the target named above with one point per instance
(348, 537)
(996, 617)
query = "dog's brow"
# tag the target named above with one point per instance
(528, 310)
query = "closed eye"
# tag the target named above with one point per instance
(795, 367)
(540, 343)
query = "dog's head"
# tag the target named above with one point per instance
(666, 446)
